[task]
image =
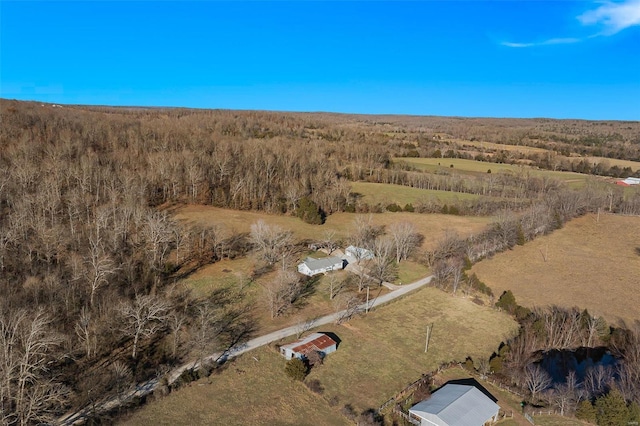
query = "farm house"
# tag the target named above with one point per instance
(312, 266)
(319, 342)
(456, 405)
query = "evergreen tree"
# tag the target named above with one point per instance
(586, 411)
(310, 212)
(296, 369)
(611, 409)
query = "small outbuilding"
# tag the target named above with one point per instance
(319, 342)
(358, 253)
(456, 405)
(629, 181)
(312, 266)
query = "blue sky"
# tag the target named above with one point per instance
(560, 59)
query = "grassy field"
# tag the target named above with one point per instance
(252, 389)
(385, 194)
(472, 166)
(383, 352)
(432, 226)
(589, 264)
(634, 165)
(492, 146)
(379, 354)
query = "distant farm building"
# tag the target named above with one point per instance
(629, 181)
(311, 266)
(319, 342)
(456, 405)
(358, 253)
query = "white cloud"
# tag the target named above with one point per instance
(613, 17)
(548, 42)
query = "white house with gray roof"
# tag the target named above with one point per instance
(455, 405)
(312, 266)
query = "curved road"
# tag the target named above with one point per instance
(149, 386)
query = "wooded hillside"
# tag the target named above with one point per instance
(88, 254)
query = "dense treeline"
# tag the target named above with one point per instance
(89, 254)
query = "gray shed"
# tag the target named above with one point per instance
(456, 405)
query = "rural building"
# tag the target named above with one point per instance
(358, 253)
(320, 342)
(311, 266)
(456, 405)
(629, 181)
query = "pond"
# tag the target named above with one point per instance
(558, 363)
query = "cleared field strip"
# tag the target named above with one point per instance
(588, 264)
(374, 193)
(493, 146)
(634, 165)
(432, 226)
(472, 166)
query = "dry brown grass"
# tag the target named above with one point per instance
(379, 354)
(590, 265)
(432, 226)
(246, 392)
(383, 352)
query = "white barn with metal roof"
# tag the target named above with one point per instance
(456, 405)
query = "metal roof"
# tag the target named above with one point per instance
(457, 405)
(326, 262)
(315, 341)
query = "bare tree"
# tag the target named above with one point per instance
(143, 317)
(566, 395)
(205, 329)
(597, 380)
(365, 232)
(85, 330)
(451, 246)
(121, 378)
(176, 321)
(305, 325)
(158, 233)
(336, 284)
(405, 239)
(456, 273)
(536, 379)
(26, 345)
(271, 241)
(282, 291)
(100, 266)
(382, 267)
(329, 240)
(347, 306)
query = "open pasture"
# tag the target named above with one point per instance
(251, 389)
(432, 226)
(474, 167)
(634, 165)
(379, 354)
(385, 194)
(481, 146)
(589, 264)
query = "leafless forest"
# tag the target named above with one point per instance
(89, 255)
